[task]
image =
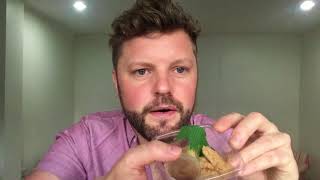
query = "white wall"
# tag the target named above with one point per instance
(251, 72)
(47, 84)
(93, 90)
(310, 100)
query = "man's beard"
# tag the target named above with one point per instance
(138, 120)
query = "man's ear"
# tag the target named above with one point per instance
(115, 82)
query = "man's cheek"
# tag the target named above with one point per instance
(187, 100)
(134, 101)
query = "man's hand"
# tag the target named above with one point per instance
(131, 165)
(266, 152)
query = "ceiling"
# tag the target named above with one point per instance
(214, 15)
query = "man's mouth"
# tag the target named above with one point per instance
(163, 111)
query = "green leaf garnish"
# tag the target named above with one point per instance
(196, 137)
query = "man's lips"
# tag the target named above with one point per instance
(163, 111)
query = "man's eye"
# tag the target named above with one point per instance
(180, 70)
(140, 72)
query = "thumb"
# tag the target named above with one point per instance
(152, 151)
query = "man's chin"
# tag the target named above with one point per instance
(151, 124)
(163, 125)
(157, 131)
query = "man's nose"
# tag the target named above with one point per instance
(162, 84)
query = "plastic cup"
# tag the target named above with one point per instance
(188, 167)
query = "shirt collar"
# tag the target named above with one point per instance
(131, 135)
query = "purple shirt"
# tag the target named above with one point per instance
(92, 146)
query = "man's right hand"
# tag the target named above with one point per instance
(132, 164)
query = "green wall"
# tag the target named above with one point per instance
(13, 97)
(310, 100)
(93, 90)
(246, 72)
(47, 84)
(2, 79)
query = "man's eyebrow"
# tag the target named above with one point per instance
(151, 65)
(182, 61)
(143, 64)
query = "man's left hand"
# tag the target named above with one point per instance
(266, 151)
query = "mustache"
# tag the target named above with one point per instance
(163, 99)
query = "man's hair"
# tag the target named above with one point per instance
(148, 16)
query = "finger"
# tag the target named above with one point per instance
(265, 144)
(147, 153)
(227, 121)
(254, 122)
(270, 159)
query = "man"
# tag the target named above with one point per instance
(155, 73)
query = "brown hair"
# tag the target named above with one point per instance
(147, 16)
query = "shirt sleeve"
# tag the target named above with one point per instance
(62, 158)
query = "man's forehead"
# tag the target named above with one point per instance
(175, 46)
(178, 35)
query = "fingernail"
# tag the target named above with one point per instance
(174, 149)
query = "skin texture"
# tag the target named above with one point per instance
(266, 151)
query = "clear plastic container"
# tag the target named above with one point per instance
(188, 167)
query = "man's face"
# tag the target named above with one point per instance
(156, 79)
